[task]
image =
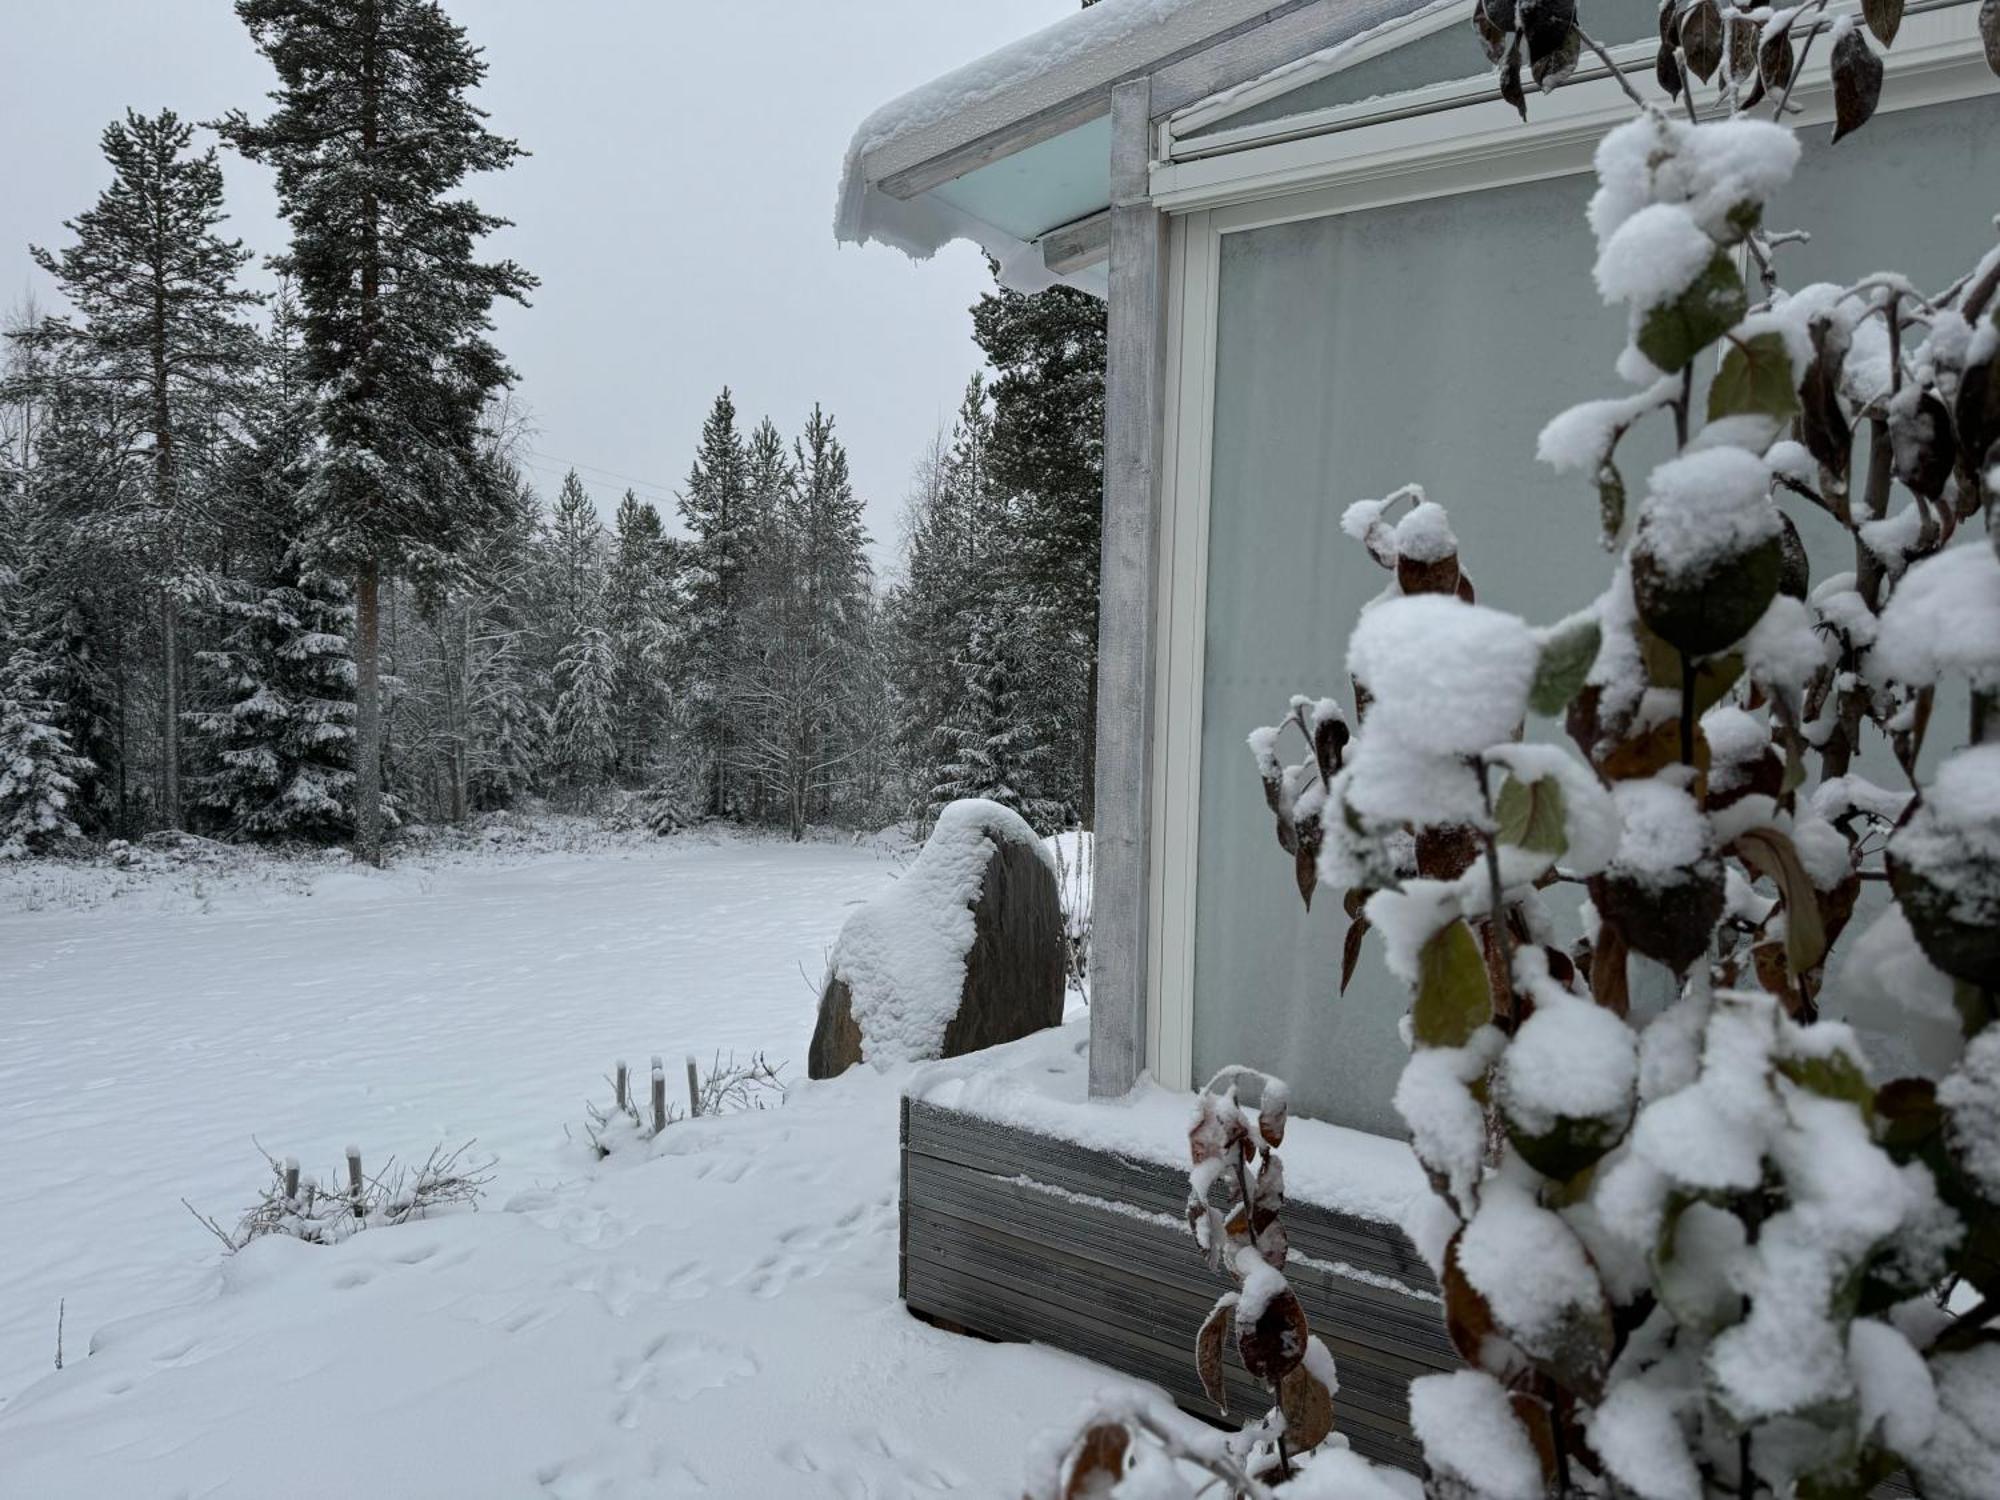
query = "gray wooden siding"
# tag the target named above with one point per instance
(1019, 1236)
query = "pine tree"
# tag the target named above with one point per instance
(1048, 455)
(715, 509)
(153, 284)
(796, 710)
(373, 134)
(283, 741)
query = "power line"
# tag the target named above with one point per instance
(651, 484)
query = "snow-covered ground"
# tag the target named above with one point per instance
(716, 1314)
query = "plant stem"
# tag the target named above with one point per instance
(1687, 709)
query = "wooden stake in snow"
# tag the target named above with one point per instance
(659, 1096)
(354, 1191)
(291, 1179)
(618, 1082)
(694, 1089)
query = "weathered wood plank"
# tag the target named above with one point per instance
(1074, 246)
(1022, 1236)
(1006, 1151)
(1127, 585)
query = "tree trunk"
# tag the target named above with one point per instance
(367, 716)
(170, 728)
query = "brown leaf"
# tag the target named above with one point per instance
(1884, 18)
(1533, 1414)
(1100, 1461)
(1307, 833)
(1208, 1352)
(1350, 952)
(1772, 854)
(1467, 1317)
(1271, 1117)
(1989, 32)
(1924, 449)
(1857, 83)
(1828, 435)
(1510, 78)
(1492, 36)
(1775, 60)
(1667, 69)
(1701, 38)
(1609, 985)
(1273, 1344)
(1742, 35)
(1308, 1409)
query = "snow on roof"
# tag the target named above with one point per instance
(1079, 55)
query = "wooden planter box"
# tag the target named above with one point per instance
(1020, 1236)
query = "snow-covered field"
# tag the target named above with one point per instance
(716, 1314)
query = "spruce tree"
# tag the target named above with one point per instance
(158, 330)
(372, 136)
(39, 770)
(283, 737)
(639, 617)
(954, 574)
(583, 738)
(991, 751)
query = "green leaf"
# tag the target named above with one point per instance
(1833, 1076)
(1673, 333)
(1755, 379)
(1530, 815)
(1569, 650)
(1453, 1000)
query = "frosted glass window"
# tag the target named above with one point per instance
(1443, 56)
(1429, 342)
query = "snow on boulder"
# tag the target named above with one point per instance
(964, 952)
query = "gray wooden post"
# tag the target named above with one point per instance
(291, 1179)
(618, 1084)
(694, 1089)
(354, 1188)
(659, 1096)
(1133, 417)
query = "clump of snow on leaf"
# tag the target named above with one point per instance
(1571, 1059)
(1652, 256)
(1424, 534)
(1469, 1433)
(1591, 827)
(1942, 620)
(1953, 838)
(1706, 170)
(902, 956)
(1705, 509)
(1664, 833)
(1971, 1100)
(1448, 678)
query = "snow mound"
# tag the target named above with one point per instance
(902, 956)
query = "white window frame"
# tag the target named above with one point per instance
(1443, 140)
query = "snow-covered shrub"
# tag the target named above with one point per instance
(722, 1088)
(1071, 853)
(1244, 1235)
(302, 1208)
(1700, 1250)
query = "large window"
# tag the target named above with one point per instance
(1344, 354)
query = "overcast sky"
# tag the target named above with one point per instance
(677, 208)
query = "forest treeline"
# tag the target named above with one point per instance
(270, 568)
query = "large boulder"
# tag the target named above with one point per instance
(964, 951)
